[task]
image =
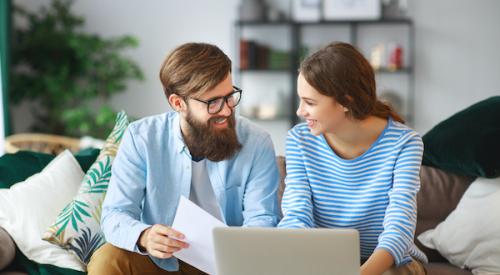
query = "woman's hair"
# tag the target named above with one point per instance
(194, 68)
(340, 71)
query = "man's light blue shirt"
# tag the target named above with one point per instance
(152, 170)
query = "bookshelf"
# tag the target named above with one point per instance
(257, 42)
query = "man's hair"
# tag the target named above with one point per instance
(194, 68)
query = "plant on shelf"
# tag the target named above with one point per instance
(67, 72)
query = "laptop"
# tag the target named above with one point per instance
(274, 251)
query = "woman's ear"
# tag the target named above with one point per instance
(350, 99)
(176, 102)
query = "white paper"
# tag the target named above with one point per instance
(196, 224)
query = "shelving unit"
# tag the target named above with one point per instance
(298, 34)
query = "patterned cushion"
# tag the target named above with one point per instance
(77, 227)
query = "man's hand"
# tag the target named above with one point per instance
(160, 241)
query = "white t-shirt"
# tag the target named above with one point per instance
(202, 193)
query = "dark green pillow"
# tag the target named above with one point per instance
(87, 157)
(21, 165)
(468, 142)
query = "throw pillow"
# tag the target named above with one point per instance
(27, 208)
(77, 227)
(467, 142)
(19, 166)
(470, 235)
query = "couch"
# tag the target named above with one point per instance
(440, 193)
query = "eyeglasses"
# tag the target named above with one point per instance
(215, 105)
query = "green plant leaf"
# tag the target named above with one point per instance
(68, 71)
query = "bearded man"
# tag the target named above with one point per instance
(226, 165)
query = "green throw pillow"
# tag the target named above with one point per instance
(18, 167)
(468, 142)
(77, 226)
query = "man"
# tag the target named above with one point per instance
(201, 151)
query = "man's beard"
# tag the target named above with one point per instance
(204, 141)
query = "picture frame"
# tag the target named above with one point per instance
(352, 10)
(306, 10)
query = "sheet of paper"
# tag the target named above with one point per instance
(196, 224)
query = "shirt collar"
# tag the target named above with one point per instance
(179, 140)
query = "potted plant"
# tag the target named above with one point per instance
(67, 71)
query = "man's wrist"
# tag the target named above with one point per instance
(141, 242)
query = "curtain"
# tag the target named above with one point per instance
(4, 70)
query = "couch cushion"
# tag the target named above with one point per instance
(32, 268)
(467, 142)
(439, 194)
(444, 269)
(281, 188)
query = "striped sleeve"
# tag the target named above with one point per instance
(401, 214)
(297, 203)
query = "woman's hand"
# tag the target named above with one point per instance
(379, 262)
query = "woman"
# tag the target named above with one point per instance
(354, 164)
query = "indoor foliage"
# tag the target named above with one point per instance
(66, 71)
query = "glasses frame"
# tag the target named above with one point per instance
(236, 90)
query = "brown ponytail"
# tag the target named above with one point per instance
(340, 71)
(384, 110)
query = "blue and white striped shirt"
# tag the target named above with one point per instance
(375, 193)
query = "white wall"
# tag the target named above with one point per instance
(160, 26)
(457, 49)
(457, 56)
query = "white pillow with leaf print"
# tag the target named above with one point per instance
(77, 227)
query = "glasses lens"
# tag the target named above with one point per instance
(215, 105)
(234, 99)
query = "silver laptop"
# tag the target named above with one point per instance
(273, 251)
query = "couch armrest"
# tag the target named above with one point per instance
(7, 249)
(439, 195)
